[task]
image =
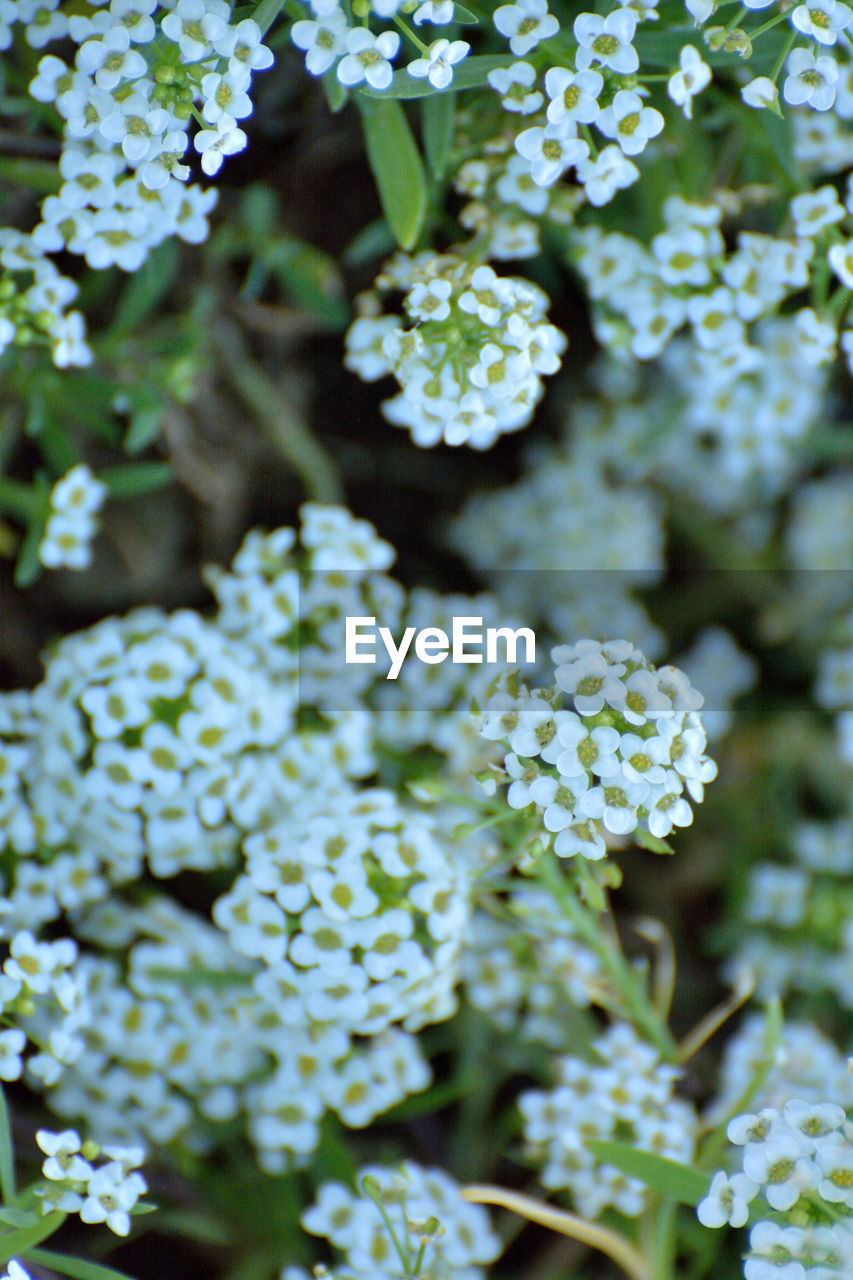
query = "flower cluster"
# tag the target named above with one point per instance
(33, 301)
(107, 1193)
(470, 365)
(357, 911)
(44, 996)
(805, 1064)
(629, 1091)
(803, 1151)
(361, 57)
(834, 689)
(141, 73)
(599, 541)
(410, 1221)
(170, 743)
(800, 916)
(525, 970)
(618, 762)
(74, 503)
(188, 1035)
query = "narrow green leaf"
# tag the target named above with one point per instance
(16, 499)
(668, 1177)
(397, 168)
(28, 566)
(464, 16)
(470, 74)
(192, 1226)
(7, 1154)
(39, 175)
(336, 95)
(646, 840)
(146, 417)
(15, 1243)
(373, 241)
(145, 289)
(311, 278)
(135, 478)
(266, 13)
(438, 120)
(77, 1268)
(16, 1217)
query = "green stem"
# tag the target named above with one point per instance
(780, 61)
(759, 31)
(733, 22)
(409, 33)
(288, 433)
(587, 134)
(627, 983)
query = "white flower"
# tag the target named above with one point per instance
(11, 1047)
(226, 95)
(629, 122)
(111, 59)
(822, 19)
(715, 322)
(727, 1201)
(607, 174)
(817, 338)
(573, 95)
(694, 75)
(526, 23)
(110, 1195)
(368, 57)
(438, 65)
(607, 41)
(550, 151)
(760, 93)
(810, 80)
(64, 1161)
(840, 258)
(516, 84)
(323, 40)
(438, 12)
(214, 144)
(242, 46)
(194, 28)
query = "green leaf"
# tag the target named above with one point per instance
(28, 567)
(311, 278)
(336, 95)
(135, 478)
(464, 16)
(192, 1226)
(668, 1177)
(646, 840)
(471, 74)
(15, 1243)
(146, 417)
(77, 1268)
(39, 175)
(266, 13)
(146, 288)
(397, 168)
(438, 117)
(7, 1154)
(373, 241)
